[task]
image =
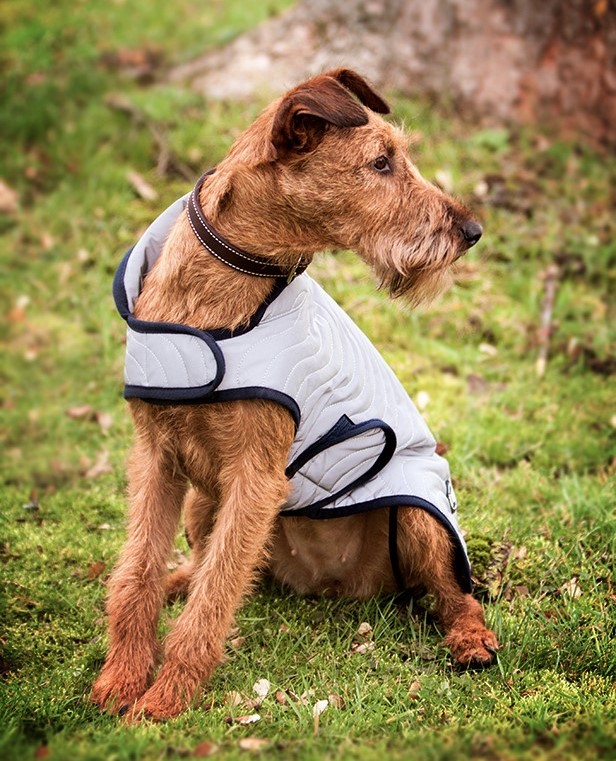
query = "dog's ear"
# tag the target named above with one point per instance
(305, 113)
(358, 86)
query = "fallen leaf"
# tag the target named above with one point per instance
(441, 448)
(336, 701)
(319, 707)
(141, 186)
(95, 569)
(362, 648)
(101, 465)
(414, 690)
(481, 190)
(572, 588)
(234, 698)
(262, 687)
(476, 384)
(488, 349)
(251, 718)
(237, 642)
(105, 421)
(281, 697)
(521, 590)
(42, 752)
(204, 749)
(422, 400)
(519, 553)
(47, 241)
(317, 710)
(81, 412)
(105, 527)
(364, 630)
(253, 744)
(8, 205)
(444, 180)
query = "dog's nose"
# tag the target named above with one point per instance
(472, 231)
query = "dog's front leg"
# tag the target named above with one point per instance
(253, 488)
(136, 587)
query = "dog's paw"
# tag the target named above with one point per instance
(115, 689)
(171, 693)
(474, 648)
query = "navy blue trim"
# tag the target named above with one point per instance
(224, 395)
(343, 430)
(460, 560)
(119, 289)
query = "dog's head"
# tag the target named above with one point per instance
(321, 168)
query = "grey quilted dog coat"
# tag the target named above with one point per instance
(360, 442)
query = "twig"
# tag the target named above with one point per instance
(550, 281)
(167, 158)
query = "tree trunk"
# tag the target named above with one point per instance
(546, 61)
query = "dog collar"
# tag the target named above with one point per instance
(226, 252)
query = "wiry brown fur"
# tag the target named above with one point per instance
(300, 179)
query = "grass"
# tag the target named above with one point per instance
(533, 458)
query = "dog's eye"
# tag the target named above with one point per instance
(381, 164)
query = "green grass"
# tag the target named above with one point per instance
(533, 459)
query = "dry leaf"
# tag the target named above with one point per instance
(422, 400)
(441, 448)
(237, 642)
(317, 710)
(47, 241)
(253, 743)
(81, 412)
(8, 205)
(414, 690)
(481, 190)
(105, 527)
(319, 707)
(281, 697)
(519, 553)
(95, 569)
(251, 718)
(488, 349)
(364, 630)
(105, 421)
(204, 749)
(362, 648)
(143, 188)
(572, 588)
(444, 180)
(336, 701)
(101, 465)
(262, 687)
(234, 698)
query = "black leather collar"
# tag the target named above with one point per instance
(226, 252)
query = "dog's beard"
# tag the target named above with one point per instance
(416, 274)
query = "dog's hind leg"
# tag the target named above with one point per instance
(156, 490)
(426, 559)
(253, 486)
(199, 512)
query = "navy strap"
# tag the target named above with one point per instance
(229, 254)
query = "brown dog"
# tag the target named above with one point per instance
(316, 170)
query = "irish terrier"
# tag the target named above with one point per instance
(259, 407)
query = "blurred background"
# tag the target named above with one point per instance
(108, 112)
